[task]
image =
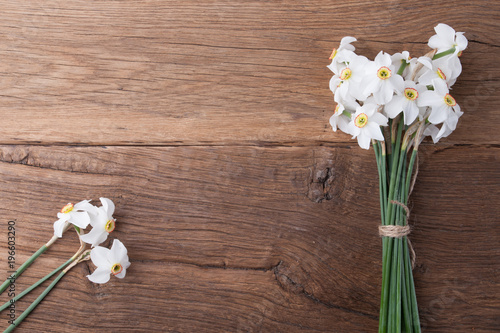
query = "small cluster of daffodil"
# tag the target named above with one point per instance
(112, 261)
(369, 93)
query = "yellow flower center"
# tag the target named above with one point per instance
(345, 74)
(411, 94)
(384, 73)
(450, 101)
(441, 74)
(116, 269)
(68, 208)
(361, 120)
(334, 53)
(337, 109)
(459, 54)
(110, 226)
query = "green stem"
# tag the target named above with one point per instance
(388, 242)
(23, 267)
(409, 276)
(34, 304)
(395, 173)
(402, 67)
(443, 54)
(36, 284)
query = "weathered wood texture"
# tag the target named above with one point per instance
(204, 122)
(256, 239)
(213, 72)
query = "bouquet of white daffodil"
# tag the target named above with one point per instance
(109, 262)
(393, 102)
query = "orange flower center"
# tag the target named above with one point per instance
(68, 208)
(116, 269)
(384, 73)
(411, 93)
(345, 74)
(441, 74)
(110, 226)
(450, 101)
(334, 53)
(361, 120)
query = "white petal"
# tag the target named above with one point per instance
(108, 205)
(435, 42)
(118, 252)
(432, 130)
(345, 43)
(438, 114)
(411, 112)
(86, 206)
(100, 275)
(383, 59)
(461, 41)
(353, 129)
(80, 219)
(372, 85)
(374, 131)
(59, 226)
(446, 33)
(95, 237)
(397, 83)
(334, 83)
(429, 98)
(385, 94)
(333, 122)
(440, 87)
(394, 107)
(343, 124)
(100, 257)
(364, 140)
(379, 119)
(63, 216)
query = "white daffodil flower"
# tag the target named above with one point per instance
(77, 214)
(443, 106)
(407, 102)
(345, 49)
(365, 125)
(345, 84)
(340, 119)
(381, 79)
(435, 69)
(399, 58)
(446, 38)
(102, 224)
(109, 261)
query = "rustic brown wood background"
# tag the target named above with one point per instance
(207, 123)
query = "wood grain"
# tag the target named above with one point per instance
(215, 72)
(248, 239)
(207, 123)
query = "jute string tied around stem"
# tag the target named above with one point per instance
(399, 231)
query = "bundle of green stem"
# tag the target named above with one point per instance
(396, 157)
(79, 256)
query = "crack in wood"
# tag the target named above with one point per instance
(289, 285)
(224, 266)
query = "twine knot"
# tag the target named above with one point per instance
(394, 231)
(399, 231)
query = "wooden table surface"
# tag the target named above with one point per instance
(206, 122)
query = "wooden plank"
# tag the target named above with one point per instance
(249, 239)
(215, 72)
